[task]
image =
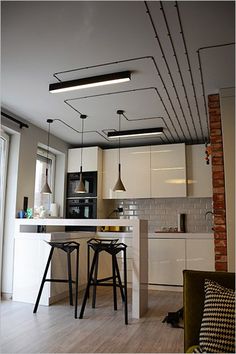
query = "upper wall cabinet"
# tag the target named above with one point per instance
(168, 171)
(135, 172)
(92, 157)
(199, 178)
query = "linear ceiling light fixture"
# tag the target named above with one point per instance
(93, 81)
(134, 133)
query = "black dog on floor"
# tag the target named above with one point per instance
(174, 317)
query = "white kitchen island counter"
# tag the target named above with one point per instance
(29, 242)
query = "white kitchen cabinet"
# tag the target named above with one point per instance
(135, 172)
(199, 174)
(91, 161)
(166, 261)
(200, 254)
(110, 173)
(168, 171)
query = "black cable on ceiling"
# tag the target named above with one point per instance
(126, 91)
(77, 131)
(168, 69)
(180, 74)
(126, 61)
(201, 74)
(189, 68)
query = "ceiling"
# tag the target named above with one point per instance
(177, 52)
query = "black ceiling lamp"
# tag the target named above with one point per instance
(93, 81)
(81, 188)
(135, 133)
(119, 186)
(46, 189)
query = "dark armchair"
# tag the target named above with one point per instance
(194, 300)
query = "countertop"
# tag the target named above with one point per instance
(182, 235)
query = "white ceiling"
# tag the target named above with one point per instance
(41, 38)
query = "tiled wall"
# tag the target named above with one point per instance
(163, 212)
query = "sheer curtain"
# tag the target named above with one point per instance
(4, 145)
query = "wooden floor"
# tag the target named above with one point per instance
(54, 330)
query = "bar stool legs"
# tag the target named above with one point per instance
(43, 281)
(86, 294)
(69, 277)
(68, 247)
(115, 278)
(76, 281)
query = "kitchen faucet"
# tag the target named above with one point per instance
(209, 212)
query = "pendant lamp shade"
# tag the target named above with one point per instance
(81, 187)
(46, 189)
(119, 186)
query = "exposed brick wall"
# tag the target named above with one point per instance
(220, 232)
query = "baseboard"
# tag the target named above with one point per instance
(165, 287)
(6, 296)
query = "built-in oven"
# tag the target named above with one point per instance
(90, 183)
(81, 208)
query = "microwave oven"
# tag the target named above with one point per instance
(90, 183)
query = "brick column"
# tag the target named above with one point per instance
(220, 231)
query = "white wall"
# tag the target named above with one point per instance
(20, 183)
(227, 103)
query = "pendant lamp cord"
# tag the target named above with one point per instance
(82, 143)
(119, 138)
(49, 126)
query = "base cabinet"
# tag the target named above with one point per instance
(166, 261)
(169, 257)
(200, 255)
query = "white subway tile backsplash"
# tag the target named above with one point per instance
(163, 212)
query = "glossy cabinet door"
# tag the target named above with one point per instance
(90, 159)
(199, 175)
(135, 172)
(110, 173)
(166, 261)
(200, 254)
(168, 171)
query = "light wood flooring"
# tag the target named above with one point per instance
(54, 330)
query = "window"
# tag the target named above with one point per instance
(42, 201)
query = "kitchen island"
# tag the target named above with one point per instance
(31, 253)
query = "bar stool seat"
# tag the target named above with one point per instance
(113, 247)
(68, 247)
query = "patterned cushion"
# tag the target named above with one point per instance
(198, 349)
(217, 333)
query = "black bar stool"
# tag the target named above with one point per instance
(67, 247)
(112, 247)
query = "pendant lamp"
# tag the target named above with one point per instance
(81, 188)
(119, 186)
(46, 189)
